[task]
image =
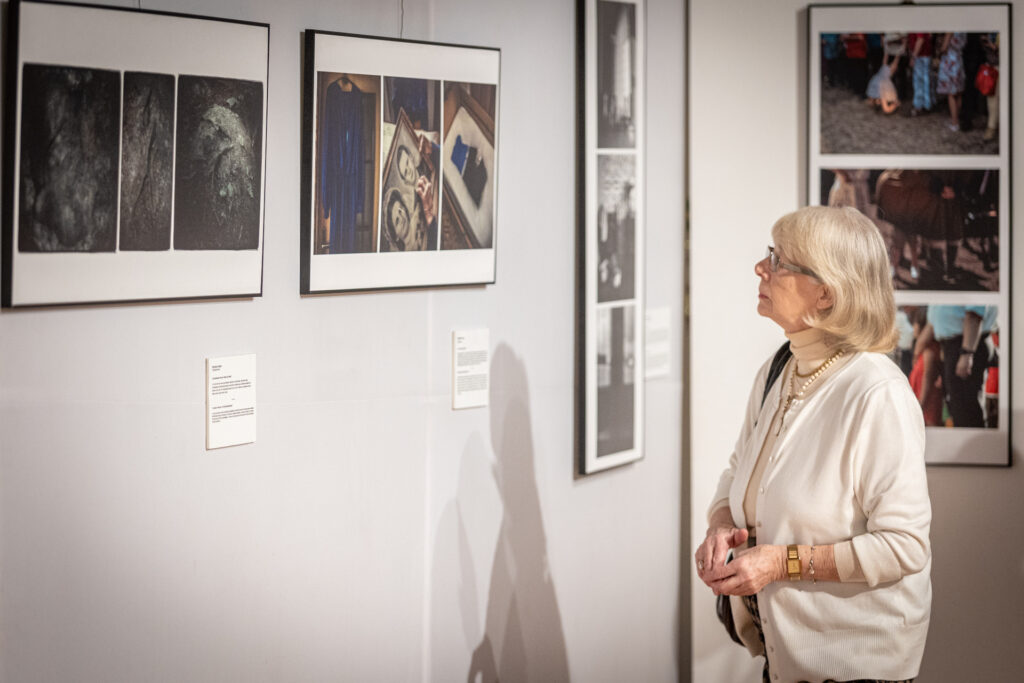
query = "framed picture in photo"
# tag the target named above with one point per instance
(399, 164)
(134, 156)
(611, 137)
(909, 122)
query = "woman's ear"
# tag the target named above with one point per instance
(825, 299)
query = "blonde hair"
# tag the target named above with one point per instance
(844, 248)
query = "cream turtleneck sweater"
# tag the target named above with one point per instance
(809, 353)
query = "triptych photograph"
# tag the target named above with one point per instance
(400, 163)
(612, 112)
(134, 167)
(909, 123)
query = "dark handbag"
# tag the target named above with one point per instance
(722, 606)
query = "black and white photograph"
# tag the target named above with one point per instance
(140, 165)
(468, 165)
(941, 225)
(347, 175)
(147, 170)
(68, 175)
(616, 379)
(909, 123)
(611, 230)
(617, 74)
(218, 163)
(616, 227)
(428, 215)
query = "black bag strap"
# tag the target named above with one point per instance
(782, 357)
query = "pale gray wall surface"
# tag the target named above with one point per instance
(370, 533)
(746, 169)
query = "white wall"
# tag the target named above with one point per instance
(746, 169)
(370, 533)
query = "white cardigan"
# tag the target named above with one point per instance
(848, 465)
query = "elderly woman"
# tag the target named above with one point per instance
(825, 498)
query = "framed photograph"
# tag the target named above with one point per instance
(611, 52)
(399, 164)
(909, 122)
(134, 156)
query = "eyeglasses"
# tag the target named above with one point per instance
(774, 263)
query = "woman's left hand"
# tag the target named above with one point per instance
(750, 571)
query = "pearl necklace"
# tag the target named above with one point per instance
(795, 395)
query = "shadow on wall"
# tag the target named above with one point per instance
(521, 638)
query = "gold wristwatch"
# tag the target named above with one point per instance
(793, 562)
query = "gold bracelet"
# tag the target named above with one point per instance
(811, 565)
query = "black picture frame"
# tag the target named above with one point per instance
(365, 226)
(611, 197)
(134, 155)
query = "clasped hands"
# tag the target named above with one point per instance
(751, 568)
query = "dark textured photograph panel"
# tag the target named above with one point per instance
(218, 167)
(69, 154)
(147, 152)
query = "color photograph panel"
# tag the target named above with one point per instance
(950, 355)
(69, 155)
(941, 226)
(218, 167)
(909, 93)
(469, 166)
(616, 379)
(347, 163)
(147, 172)
(411, 133)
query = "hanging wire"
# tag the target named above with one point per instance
(401, 18)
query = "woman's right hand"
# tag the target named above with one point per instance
(722, 536)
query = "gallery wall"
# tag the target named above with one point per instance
(370, 533)
(747, 151)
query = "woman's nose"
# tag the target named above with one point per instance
(761, 268)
